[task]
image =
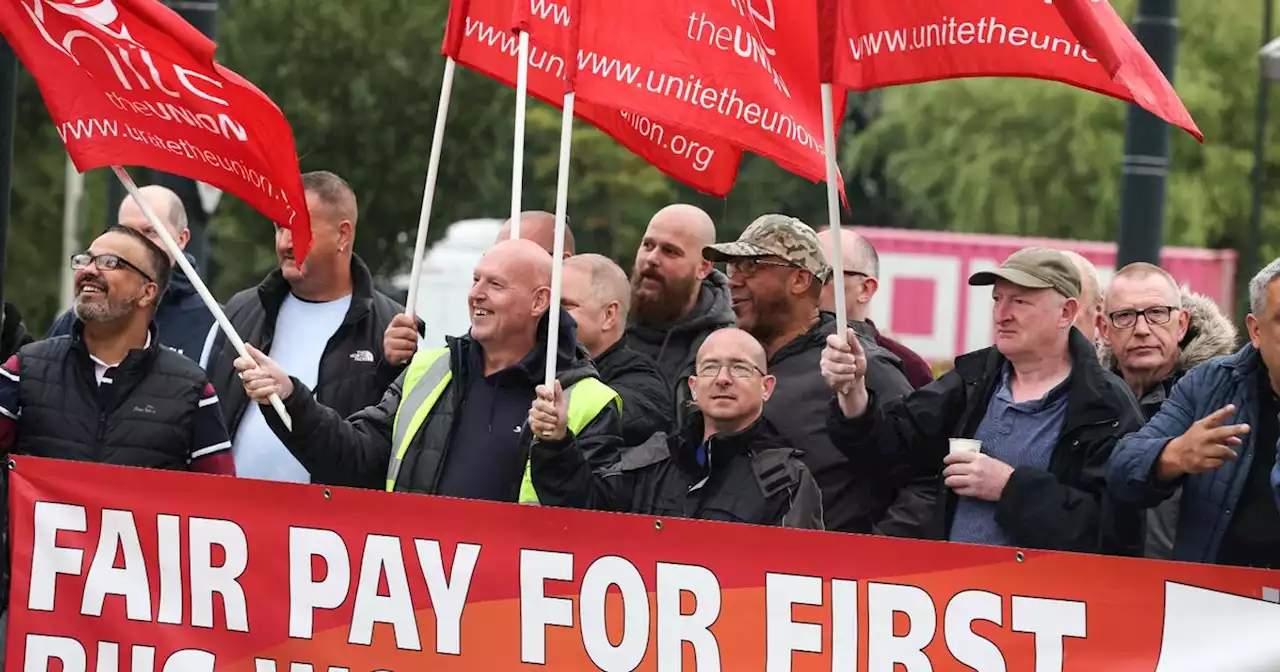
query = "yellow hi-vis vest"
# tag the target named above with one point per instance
(427, 378)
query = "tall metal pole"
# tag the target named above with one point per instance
(1146, 144)
(203, 16)
(8, 111)
(1254, 249)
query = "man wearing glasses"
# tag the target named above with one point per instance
(727, 464)
(1214, 439)
(110, 392)
(1153, 333)
(776, 272)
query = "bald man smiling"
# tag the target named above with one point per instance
(453, 423)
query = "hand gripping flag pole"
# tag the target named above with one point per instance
(205, 295)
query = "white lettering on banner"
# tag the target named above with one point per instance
(1050, 621)
(782, 634)
(118, 536)
(448, 593)
(967, 646)
(189, 80)
(267, 665)
(537, 611)
(383, 556)
(629, 653)
(206, 579)
(886, 650)
(43, 650)
(675, 627)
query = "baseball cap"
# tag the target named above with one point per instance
(776, 235)
(1035, 268)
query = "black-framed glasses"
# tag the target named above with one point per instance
(736, 369)
(106, 262)
(747, 267)
(1125, 319)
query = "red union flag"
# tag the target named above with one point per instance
(1083, 43)
(479, 37)
(744, 70)
(128, 82)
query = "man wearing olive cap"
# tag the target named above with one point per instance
(776, 271)
(1045, 411)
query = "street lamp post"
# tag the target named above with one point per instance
(1269, 71)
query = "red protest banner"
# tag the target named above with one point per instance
(480, 38)
(1083, 43)
(182, 571)
(128, 82)
(744, 70)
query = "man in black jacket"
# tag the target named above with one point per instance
(453, 423)
(323, 320)
(182, 318)
(777, 269)
(597, 295)
(677, 296)
(1045, 413)
(727, 464)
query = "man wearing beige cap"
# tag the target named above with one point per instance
(776, 272)
(1043, 415)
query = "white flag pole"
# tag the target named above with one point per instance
(557, 259)
(429, 192)
(172, 245)
(833, 208)
(517, 154)
(71, 227)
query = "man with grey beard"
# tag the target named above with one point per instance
(677, 297)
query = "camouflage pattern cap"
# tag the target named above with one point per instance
(776, 235)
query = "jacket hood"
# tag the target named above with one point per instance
(1209, 334)
(713, 309)
(180, 285)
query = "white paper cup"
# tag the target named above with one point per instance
(965, 446)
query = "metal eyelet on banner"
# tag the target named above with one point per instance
(657, 524)
(12, 465)
(1020, 557)
(327, 494)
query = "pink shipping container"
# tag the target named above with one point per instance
(925, 300)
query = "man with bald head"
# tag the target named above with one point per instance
(861, 281)
(1089, 319)
(322, 320)
(453, 423)
(540, 227)
(182, 318)
(677, 297)
(728, 463)
(596, 293)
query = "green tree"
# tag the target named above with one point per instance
(1040, 158)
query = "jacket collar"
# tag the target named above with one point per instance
(274, 288)
(1087, 399)
(136, 357)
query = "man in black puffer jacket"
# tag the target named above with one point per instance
(728, 463)
(323, 321)
(110, 392)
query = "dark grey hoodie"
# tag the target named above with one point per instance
(676, 348)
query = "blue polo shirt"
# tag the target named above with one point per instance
(1018, 434)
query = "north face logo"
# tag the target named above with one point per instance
(362, 356)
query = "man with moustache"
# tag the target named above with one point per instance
(322, 320)
(677, 296)
(777, 269)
